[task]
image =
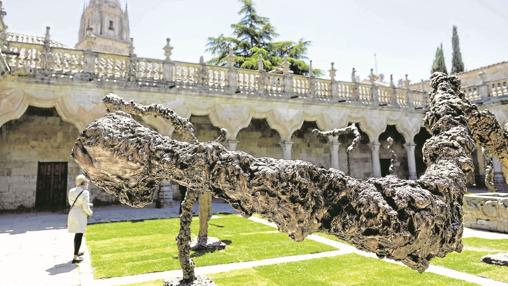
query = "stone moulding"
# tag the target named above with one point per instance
(409, 221)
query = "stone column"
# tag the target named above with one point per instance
(498, 175)
(480, 174)
(286, 149)
(334, 152)
(411, 161)
(166, 194)
(376, 164)
(232, 144)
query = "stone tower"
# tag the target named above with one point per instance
(104, 27)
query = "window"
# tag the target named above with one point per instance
(111, 26)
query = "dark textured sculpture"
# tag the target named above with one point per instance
(410, 221)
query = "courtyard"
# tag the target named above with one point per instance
(126, 246)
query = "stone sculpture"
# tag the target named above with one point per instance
(405, 220)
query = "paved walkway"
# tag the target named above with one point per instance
(36, 250)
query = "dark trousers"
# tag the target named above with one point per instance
(78, 237)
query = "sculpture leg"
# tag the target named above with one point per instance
(184, 237)
(205, 210)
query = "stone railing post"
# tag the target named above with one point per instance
(374, 93)
(232, 73)
(334, 152)
(286, 149)
(312, 82)
(483, 90)
(203, 73)
(376, 164)
(287, 78)
(409, 93)
(393, 95)
(169, 65)
(3, 29)
(411, 160)
(333, 84)
(47, 56)
(133, 63)
(263, 77)
(355, 96)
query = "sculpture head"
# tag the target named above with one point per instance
(116, 158)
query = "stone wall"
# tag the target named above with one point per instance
(26, 141)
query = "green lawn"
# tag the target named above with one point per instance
(350, 269)
(128, 248)
(469, 260)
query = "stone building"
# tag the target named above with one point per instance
(48, 93)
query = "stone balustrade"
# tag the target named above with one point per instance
(25, 58)
(58, 62)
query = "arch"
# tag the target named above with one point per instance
(419, 139)
(24, 143)
(398, 147)
(309, 147)
(259, 140)
(358, 162)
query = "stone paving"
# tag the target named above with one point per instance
(36, 249)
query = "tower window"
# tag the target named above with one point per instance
(111, 26)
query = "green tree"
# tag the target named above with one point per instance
(457, 64)
(439, 64)
(252, 40)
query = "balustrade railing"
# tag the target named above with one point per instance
(27, 57)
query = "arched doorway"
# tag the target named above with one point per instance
(259, 140)
(35, 164)
(309, 147)
(419, 140)
(398, 147)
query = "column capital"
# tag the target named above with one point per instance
(374, 146)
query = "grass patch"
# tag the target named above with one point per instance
(344, 270)
(469, 260)
(128, 248)
(350, 269)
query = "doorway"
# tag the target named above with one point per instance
(51, 192)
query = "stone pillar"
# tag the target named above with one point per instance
(232, 144)
(286, 149)
(334, 152)
(205, 213)
(411, 161)
(166, 194)
(376, 164)
(480, 174)
(498, 175)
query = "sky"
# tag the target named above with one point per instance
(403, 34)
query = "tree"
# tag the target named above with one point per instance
(439, 64)
(457, 64)
(252, 40)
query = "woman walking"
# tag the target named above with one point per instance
(79, 200)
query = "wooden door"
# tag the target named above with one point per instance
(51, 193)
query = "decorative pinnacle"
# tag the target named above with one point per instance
(168, 49)
(47, 36)
(332, 72)
(372, 77)
(261, 65)
(231, 59)
(311, 73)
(285, 66)
(201, 60)
(391, 81)
(353, 75)
(406, 81)
(131, 47)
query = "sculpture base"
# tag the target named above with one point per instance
(500, 259)
(199, 281)
(211, 245)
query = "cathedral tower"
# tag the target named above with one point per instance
(104, 27)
